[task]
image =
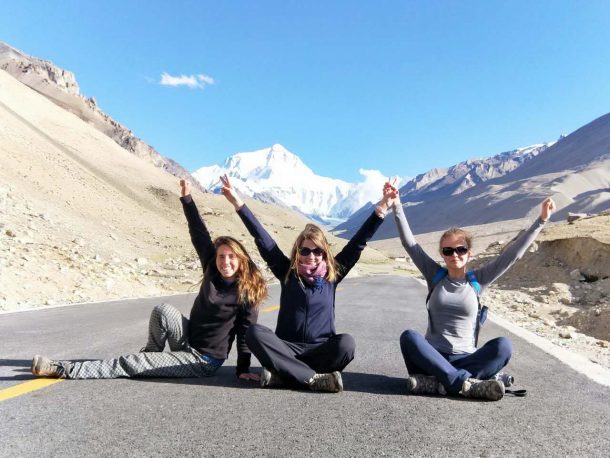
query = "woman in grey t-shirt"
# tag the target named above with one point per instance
(446, 359)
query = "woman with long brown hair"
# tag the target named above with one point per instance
(226, 306)
(305, 349)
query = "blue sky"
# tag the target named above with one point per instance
(398, 86)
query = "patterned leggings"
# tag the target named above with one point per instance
(166, 324)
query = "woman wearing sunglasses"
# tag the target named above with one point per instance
(227, 304)
(446, 359)
(305, 349)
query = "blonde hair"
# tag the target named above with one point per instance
(251, 286)
(456, 231)
(316, 235)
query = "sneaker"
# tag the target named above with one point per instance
(424, 384)
(492, 390)
(507, 379)
(331, 383)
(270, 379)
(45, 367)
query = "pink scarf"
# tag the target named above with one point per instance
(313, 275)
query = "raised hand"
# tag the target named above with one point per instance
(548, 207)
(185, 188)
(390, 193)
(229, 192)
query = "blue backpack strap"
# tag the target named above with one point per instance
(482, 312)
(438, 276)
(472, 279)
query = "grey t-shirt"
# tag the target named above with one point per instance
(453, 303)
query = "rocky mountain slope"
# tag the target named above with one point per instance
(465, 175)
(60, 87)
(575, 171)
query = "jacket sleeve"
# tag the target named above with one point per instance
(200, 237)
(270, 252)
(349, 255)
(245, 318)
(513, 252)
(426, 265)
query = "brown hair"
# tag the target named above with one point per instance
(457, 232)
(316, 235)
(251, 286)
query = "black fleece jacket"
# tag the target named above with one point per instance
(216, 317)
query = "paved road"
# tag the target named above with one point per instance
(564, 413)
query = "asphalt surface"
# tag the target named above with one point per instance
(564, 413)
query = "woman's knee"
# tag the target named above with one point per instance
(503, 347)
(166, 310)
(410, 337)
(346, 344)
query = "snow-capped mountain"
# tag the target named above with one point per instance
(276, 174)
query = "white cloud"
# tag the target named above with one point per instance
(370, 189)
(192, 81)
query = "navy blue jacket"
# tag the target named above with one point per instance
(307, 314)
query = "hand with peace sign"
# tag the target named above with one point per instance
(230, 193)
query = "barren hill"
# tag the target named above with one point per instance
(61, 88)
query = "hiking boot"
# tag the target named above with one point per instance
(331, 383)
(270, 379)
(507, 379)
(492, 390)
(45, 367)
(424, 384)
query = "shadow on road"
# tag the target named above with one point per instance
(225, 377)
(373, 383)
(352, 381)
(22, 366)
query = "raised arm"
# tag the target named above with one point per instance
(268, 249)
(513, 252)
(350, 254)
(426, 265)
(200, 237)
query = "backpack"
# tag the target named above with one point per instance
(472, 280)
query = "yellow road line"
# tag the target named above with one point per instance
(270, 309)
(26, 387)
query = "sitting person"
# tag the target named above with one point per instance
(227, 305)
(446, 360)
(305, 349)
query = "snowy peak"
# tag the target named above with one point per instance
(266, 163)
(276, 173)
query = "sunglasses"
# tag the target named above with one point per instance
(304, 251)
(448, 250)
